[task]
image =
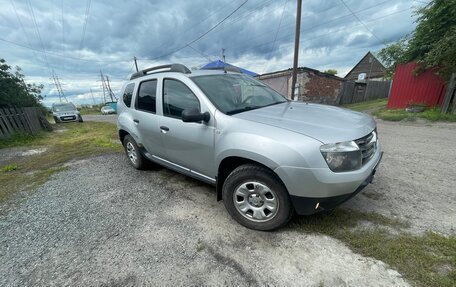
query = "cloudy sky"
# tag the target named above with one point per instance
(77, 39)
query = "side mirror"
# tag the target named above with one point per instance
(193, 115)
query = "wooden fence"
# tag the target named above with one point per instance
(20, 120)
(354, 92)
(449, 100)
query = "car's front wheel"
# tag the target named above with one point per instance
(256, 198)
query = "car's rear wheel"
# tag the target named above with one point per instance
(256, 198)
(134, 156)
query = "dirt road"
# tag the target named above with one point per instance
(103, 223)
(415, 181)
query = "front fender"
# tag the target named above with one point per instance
(261, 149)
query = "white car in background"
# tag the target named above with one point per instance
(106, 110)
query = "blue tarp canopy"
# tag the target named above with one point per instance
(220, 65)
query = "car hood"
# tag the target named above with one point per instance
(327, 124)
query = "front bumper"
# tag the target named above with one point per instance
(66, 118)
(309, 187)
(311, 205)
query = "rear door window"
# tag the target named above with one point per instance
(128, 93)
(146, 99)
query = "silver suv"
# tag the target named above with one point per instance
(268, 157)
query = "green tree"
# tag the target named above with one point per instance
(13, 89)
(331, 71)
(393, 54)
(432, 42)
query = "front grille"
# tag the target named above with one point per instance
(368, 146)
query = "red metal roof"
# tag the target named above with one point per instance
(408, 88)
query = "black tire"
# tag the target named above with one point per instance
(251, 174)
(56, 120)
(80, 119)
(140, 162)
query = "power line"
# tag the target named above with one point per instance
(63, 27)
(127, 76)
(334, 31)
(268, 32)
(84, 27)
(22, 27)
(245, 14)
(194, 26)
(359, 20)
(60, 55)
(277, 33)
(201, 53)
(38, 33)
(331, 32)
(202, 35)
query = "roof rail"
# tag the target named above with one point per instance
(179, 68)
(226, 69)
(232, 69)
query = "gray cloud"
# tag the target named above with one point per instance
(331, 37)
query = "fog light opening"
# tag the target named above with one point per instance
(317, 206)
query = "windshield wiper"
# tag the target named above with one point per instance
(276, 103)
(249, 108)
(244, 109)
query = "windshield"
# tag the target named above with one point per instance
(233, 94)
(63, 108)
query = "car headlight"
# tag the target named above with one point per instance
(344, 156)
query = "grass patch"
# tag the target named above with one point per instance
(74, 141)
(426, 260)
(431, 114)
(200, 246)
(378, 109)
(9, 167)
(19, 139)
(94, 110)
(369, 106)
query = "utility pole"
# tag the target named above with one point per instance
(58, 86)
(103, 85)
(136, 63)
(111, 93)
(223, 55)
(296, 48)
(93, 99)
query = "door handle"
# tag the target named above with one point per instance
(136, 121)
(163, 128)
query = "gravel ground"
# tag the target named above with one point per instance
(416, 179)
(103, 223)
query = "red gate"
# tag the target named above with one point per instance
(407, 89)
